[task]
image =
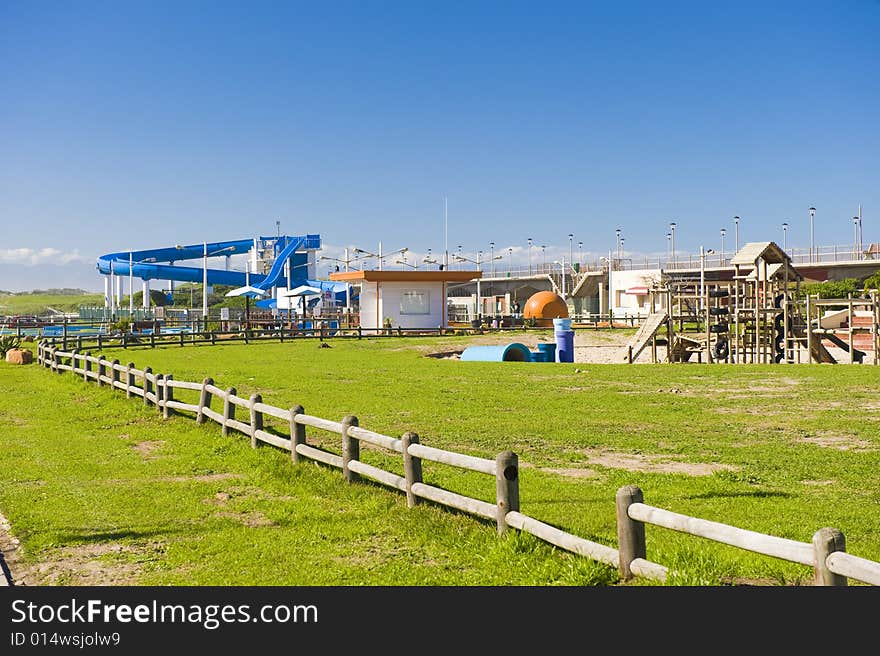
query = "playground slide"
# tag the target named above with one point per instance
(278, 267)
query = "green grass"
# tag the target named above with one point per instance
(781, 450)
(40, 304)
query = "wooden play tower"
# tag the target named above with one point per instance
(757, 316)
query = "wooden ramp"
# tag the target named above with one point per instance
(643, 335)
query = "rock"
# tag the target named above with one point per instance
(19, 356)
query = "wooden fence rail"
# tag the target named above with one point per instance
(826, 553)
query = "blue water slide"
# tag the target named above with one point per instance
(151, 264)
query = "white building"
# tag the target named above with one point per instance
(406, 299)
(630, 292)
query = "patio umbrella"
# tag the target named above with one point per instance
(248, 292)
(303, 292)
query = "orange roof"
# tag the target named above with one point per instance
(405, 276)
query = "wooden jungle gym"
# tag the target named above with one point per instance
(757, 316)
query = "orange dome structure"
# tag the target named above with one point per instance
(544, 307)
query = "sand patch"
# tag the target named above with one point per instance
(651, 464)
(148, 448)
(572, 472)
(839, 442)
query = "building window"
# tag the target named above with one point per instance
(415, 302)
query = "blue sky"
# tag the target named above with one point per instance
(146, 124)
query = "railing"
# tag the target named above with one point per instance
(826, 554)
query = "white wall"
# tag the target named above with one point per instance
(628, 304)
(389, 305)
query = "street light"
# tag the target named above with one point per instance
(617, 232)
(570, 258)
(723, 232)
(530, 255)
(380, 257)
(543, 260)
(479, 264)
(668, 249)
(855, 238)
(509, 261)
(672, 241)
(581, 252)
(428, 259)
(812, 214)
(785, 236)
(736, 234)
(492, 251)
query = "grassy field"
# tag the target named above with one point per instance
(44, 303)
(90, 476)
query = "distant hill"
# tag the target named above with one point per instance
(43, 302)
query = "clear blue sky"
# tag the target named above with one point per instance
(146, 124)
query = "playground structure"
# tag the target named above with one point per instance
(273, 266)
(756, 317)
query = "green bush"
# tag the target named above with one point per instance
(7, 343)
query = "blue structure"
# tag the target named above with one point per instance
(514, 352)
(163, 264)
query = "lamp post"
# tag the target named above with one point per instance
(855, 237)
(672, 241)
(543, 259)
(130, 285)
(530, 255)
(459, 256)
(736, 234)
(723, 232)
(492, 256)
(785, 236)
(812, 214)
(570, 258)
(617, 232)
(380, 257)
(509, 261)
(478, 262)
(581, 253)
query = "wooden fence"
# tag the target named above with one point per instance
(826, 553)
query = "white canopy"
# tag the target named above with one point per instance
(247, 290)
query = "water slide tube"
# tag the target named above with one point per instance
(160, 264)
(514, 352)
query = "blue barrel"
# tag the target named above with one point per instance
(549, 349)
(539, 356)
(564, 346)
(514, 352)
(562, 323)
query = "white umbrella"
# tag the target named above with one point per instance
(247, 291)
(303, 291)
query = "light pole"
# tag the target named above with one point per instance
(492, 256)
(723, 232)
(478, 262)
(543, 260)
(617, 232)
(855, 238)
(812, 214)
(509, 261)
(530, 255)
(570, 258)
(459, 256)
(672, 241)
(785, 236)
(130, 285)
(380, 257)
(580, 253)
(668, 249)
(735, 235)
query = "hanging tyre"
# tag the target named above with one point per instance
(721, 349)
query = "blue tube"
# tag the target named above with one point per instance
(514, 352)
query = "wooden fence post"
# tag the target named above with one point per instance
(153, 339)
(351, 449)
(506, 487)
(825, 542)
(160, 391)
(87, 365)
(102, 370)
(129, 380)
(297, 432)
(630, 533)
(204, 400)
(228, 410)
(148, 385)
(114, 373)
(256, 419)
(167, 395)
(73, 358)
(412, 467)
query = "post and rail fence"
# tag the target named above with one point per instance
(826, 553)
